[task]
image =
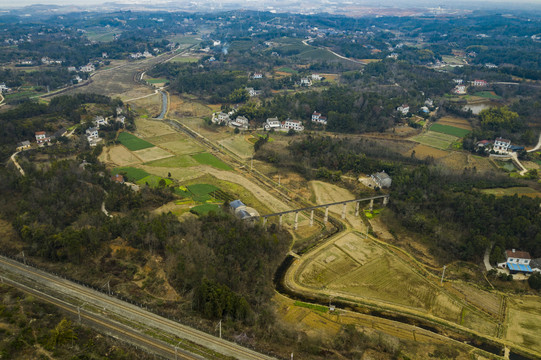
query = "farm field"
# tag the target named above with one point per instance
(456, 122)
(239, 145)
(488, 95)
(174, 162)
(449, 130)
(132, 142)
(152, 128)
(520, 191)
(182, 147)
(435, 139)
(209, 159)
(524, 322)
(423, 151)
(133, 174)
(118, 155)
(356, 267)
(151, 154)
(156, 81)
(206, 208)
(154, 181)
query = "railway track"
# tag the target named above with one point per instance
(70, 295)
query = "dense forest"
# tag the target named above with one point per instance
(458, 219)
(227, 263)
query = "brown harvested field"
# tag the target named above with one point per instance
(455, 121)
(118, 155)
(158, 140)
(151, 154)
(354, 266)
(524, 322)
(150, 106)
(455, 160)
(183, 107)
(150, 128)
(180, 173)
(488, 301)
(328, 193)
(424, 151)
(182, 147)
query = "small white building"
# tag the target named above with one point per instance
(257, 76)
(272, 123)
(88, 68)
(501, 144)
(100, 121)
(292, 124)
(403, 109)
(92, 133)
(479, 83)
(240, 122)
(517, 261)
(459, 90)
(41, 137)
(220, 117)
(252, 92)
(316, 77)
(121, 119)
(382, 179)
(4, 88)
(306, 82)
(318, 118)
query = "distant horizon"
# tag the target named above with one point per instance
(277, 4)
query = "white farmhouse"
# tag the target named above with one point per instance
(501, 144)
(517, 261)
(318, 118)
(272, 123)
(403, 109)
(292, 124)
(240, 122)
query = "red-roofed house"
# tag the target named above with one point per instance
(479, 83)
(118, 178)
(41, 137)
(517, 261)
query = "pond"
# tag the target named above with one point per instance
(477, 107)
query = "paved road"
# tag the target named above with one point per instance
(72, 293)
(538, 146)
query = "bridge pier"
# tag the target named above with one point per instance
(264, 222)
(357, 208)
(296, 220)
(371, 204)
(280, 222)
(385, 200)
(344, 212)
(312, 218)
(326, 218)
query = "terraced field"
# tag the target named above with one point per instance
(356, 267)
(435, 139)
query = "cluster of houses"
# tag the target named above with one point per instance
(499, 145)
(318, 118)
(221, 118)
(42, 138)
(460, 87)
(139, 55)
(277, 125)
(92, 134)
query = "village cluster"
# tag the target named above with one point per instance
(92, 135)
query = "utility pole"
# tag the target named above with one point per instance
(251, 164)
(220, 325)
(443, 274)
(176, 348)
(279, 180)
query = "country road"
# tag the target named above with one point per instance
(99, 305)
